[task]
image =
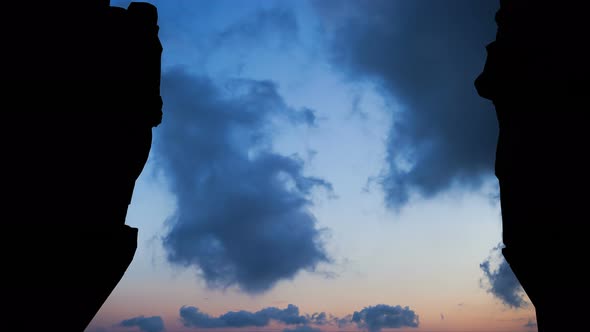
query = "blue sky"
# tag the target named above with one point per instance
(320, 157)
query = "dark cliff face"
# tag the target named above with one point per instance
(81, 96)
(536, 74)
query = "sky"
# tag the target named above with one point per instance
(321, 166)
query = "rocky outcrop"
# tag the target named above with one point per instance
(82, 94)
(536, 74)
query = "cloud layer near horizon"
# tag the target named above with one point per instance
(193, 317)
(372, 318)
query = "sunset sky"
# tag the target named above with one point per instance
(321, 165)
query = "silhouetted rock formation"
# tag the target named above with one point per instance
(82, 93)
(536, 74)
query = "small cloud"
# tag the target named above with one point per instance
(319, 318)
(375, 318)
(145, 324)
(530, 324)
(501, 281)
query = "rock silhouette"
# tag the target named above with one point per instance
(82, 94)
(536, 73)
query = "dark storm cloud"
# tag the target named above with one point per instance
(425, 55)
(242, 215)
(530, 324)
(380, 316)
(501, 281)
(192, 317)
(145, 324)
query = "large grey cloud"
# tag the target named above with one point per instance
(501, 282)
(193, 317)
(145, 324)
(425, 55)
(242, 215)
(380, 316)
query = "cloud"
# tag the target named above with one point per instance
(242, 215)
(303, 328)
(319, 318)
(217, 40)
(343, 321)
(96, 329)
(424, 56)
(530, 324)
(276, 26)
(145, 324)
(192, 317)
(375, 318)
(322, 318)
(501, 281)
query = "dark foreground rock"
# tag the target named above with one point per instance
(81, 95)
(537, 75)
